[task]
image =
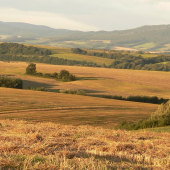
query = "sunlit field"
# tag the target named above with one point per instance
(96, 81)
(52, 130)
(69, 109)
(42, 146)
(145, 46)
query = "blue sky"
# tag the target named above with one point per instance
(87, 15)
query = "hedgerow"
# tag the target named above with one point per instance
(11, 82)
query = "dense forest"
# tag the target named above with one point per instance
(15, 48)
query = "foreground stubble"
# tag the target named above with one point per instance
(53, 146)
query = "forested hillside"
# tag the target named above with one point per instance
(14, 48)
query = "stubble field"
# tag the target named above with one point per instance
(42, 146)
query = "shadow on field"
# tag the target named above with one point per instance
(28, 83)
(87, 78)
(92, 91)
(98, 95)
(8, 75)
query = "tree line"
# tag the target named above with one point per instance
(47, 60)
(63, 75)
(140, 63)
(128, 61)
(96, 54)
(144, 99)
(15, 48)
(15, 52)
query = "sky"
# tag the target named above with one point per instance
(87, 15)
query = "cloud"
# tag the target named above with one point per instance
(163, 6)
(88, 14)
(43, 18)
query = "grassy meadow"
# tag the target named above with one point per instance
(145, 46)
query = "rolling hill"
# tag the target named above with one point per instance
(153, 38)
(52, 130)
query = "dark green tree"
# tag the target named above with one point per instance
(64, 73)
(31, 69)
(66, 76)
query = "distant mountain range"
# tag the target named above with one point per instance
(153, 38)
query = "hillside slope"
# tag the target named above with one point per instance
(143, 38)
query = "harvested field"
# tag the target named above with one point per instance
(69, 109)
(26, 145)
(97, 80)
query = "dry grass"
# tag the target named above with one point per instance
(53, 146)
(69, 108)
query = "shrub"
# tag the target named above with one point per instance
(81, 92)
(11, 82)
(163, 110)
(37, 88)
(47, 75)
(159, 118)
(39, 74)
(54, 75)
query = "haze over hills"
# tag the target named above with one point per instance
(152, 38)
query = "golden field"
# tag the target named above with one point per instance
(69, 109)
(51, 130)
(78, 110)
(26, 145)
(96, 80)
